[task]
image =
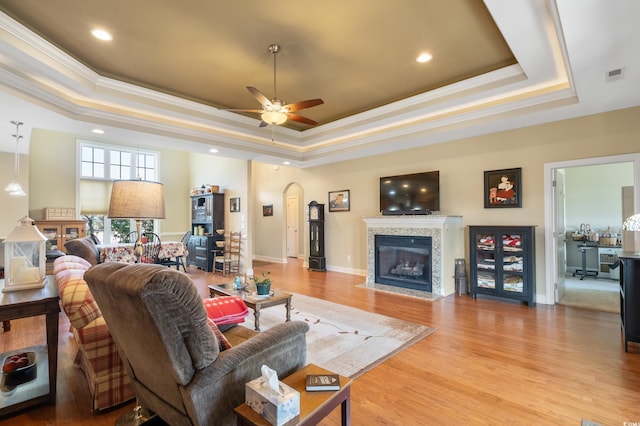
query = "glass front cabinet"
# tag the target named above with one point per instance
(502, 262)
(58, 232)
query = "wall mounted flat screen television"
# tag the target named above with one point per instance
(417, 193)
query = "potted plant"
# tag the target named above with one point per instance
(263, 283)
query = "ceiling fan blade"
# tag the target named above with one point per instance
(259, 96)
(297, 106)
(263, 124)
(301, 119)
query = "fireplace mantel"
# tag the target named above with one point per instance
(447, 246)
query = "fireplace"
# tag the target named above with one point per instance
(446, 243)
(403, 261)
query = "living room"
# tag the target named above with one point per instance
(52, 168)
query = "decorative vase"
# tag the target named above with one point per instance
(263, 289)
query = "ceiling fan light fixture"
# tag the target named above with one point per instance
(273, 117)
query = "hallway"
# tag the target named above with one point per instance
(600, 294)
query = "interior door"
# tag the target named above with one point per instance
(292, 225)
(560, 233)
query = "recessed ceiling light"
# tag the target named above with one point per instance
(102, 35)
(424, 57)
(213, 151)
(286, 163)
(98, 131)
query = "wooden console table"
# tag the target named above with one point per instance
(24, 304)
(254, 302)
(314, 406)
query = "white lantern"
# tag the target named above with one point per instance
(24, 257)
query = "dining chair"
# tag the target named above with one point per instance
(227, 260)
(131, 237)
(178, 261)
(150, 247)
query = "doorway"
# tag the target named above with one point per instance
(562, 217)
(293, 223)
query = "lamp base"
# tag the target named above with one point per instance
(138, 416)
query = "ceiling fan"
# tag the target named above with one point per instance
(275, 111)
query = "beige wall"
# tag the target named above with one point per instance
(52, 156)
(461, 165)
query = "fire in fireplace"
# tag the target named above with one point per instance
(403, 261)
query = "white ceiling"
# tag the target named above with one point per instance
(563, 48)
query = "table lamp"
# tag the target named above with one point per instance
(631, 234)
(24, 257)
(138, 200)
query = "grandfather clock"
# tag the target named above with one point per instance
(317, 262)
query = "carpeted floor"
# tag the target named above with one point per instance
(346, 340)
(596, 294)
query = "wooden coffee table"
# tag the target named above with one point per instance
(314, 406)
(254, 302)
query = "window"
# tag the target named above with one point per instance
(121, 165)
(99, 166)
(92, 162)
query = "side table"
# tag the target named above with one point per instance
(314, 406)
(24, 304)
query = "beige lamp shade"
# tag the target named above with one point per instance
(136, 199)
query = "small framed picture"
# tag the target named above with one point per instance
(503, 188)
(234, 204)
(339, 201)
(267, 210)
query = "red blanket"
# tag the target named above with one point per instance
(226, 309)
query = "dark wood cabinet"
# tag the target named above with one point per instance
(502, 262)
(630, 297)
(207, 216)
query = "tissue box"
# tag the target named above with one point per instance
(277, 409)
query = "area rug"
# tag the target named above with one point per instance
(343, 339)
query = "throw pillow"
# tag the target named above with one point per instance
(84, 248)
(223, 343)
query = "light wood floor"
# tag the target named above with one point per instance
(490, 362)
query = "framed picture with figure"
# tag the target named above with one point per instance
(503, 188)
(340, 201)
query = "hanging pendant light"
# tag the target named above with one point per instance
(14, 188)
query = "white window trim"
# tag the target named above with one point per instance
(107, 147)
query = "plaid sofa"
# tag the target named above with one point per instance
(97, 353)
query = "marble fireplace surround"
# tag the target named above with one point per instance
(447, 241)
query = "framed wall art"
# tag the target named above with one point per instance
(340, 201)
(267, 210)
(503, 188)
(234, 204)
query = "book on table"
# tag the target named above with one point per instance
(322, 382)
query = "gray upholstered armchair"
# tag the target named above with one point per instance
(171, 354)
